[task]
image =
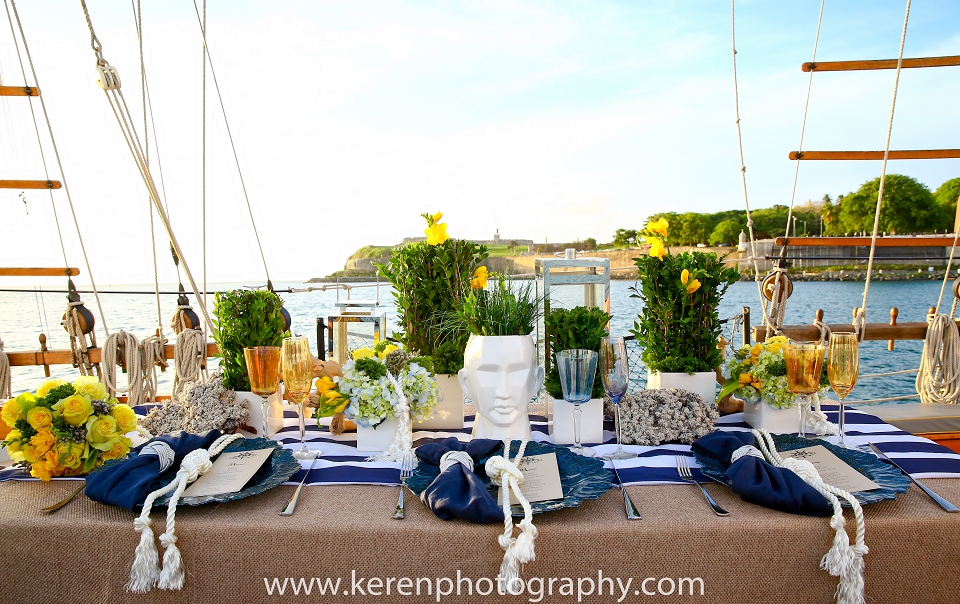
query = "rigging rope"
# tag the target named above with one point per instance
(152, 356)
(79, 349)
(236, 159)
(938, 380)
(56, 153)
(861, 319)
(110, 82)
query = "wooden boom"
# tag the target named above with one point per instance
(868, 155)
(65, 357)
(881, 64)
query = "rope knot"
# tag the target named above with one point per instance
(141, 524)
(745, 451)
(501, 469)
(451, 458)
(196, 462)
(168, 539)
(163, 452)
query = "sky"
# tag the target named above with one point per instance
(552, 121)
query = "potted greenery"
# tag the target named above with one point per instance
(242, 319)
(430, 279)
(500, 372)
(580, 327)
(679, 325)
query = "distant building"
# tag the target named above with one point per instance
(497, 240)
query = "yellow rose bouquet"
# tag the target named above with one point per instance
(66, 429)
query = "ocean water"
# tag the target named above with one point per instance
(25, 315)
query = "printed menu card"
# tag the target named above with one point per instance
(541, 479)
(833, 470)
(230, 472)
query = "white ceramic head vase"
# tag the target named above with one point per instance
(500, 375)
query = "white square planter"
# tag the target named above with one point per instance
(560, 421)
(379, 439)
(274, 414)
(448, 414)
(703, 383)
(765, 417)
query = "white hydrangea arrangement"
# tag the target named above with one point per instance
(373, 395)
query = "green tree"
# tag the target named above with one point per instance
(946, 196)
(625, 237)
(696, 228)
(908, 207)
(589, 243)
(726, 231)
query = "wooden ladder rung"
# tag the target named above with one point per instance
(868, 155)
(19, 91)
(38, 272)
(30, 184)
(881, 64)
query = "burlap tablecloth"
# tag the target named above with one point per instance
(83, 552)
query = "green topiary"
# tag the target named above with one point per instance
(245, 318)
(577, 328)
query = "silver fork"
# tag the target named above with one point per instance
(406, 470)
(683, 468)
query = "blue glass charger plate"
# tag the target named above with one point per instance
(582, 478)
(890, 479)
(275, 471)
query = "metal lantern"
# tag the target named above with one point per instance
(358, 324)
(572, 281)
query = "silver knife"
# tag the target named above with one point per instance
(943, 502)
(292, 502)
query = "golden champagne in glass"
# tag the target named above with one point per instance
(804, 362)
(843, 368)
(297, 379)
(263, 369)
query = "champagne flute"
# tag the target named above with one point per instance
(297, 379)
(804, 362)
(263, 368)
(843, 368)
(577, 368)
(615, 373)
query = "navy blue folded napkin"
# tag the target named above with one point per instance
(458, 492)
(760, 482)
(127, 484)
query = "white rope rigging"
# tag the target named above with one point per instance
(152, 356)
(842, 560)
(518, 550)
(860, 320)
(145, 573)
(201, 21)
(56, 153)
(5, 391)
(110, 82)
(401, 448)
(122, 347)
(188, 357)
(79, 348)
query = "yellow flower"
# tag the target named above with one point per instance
(690, 286)
(43, 441)
(11, 412)
(657, 249)
(102, 431)
(324, 385)
(119, 449)
(52, 461)
(479, 280)
(47, 386)
(39, 418)
(91, 387)
(659, 227)
(362, 353)
(756, 350)
(39, 470)
(13, 437)
(70, 455)
(74, 409)
(387, 350)
(757, 384)
(775, 344)
(437, 233)
(745, 378)
(437, 217)
(125, 416)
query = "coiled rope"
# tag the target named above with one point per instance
(122, 347)
(938, 380)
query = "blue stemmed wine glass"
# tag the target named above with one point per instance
(615, 373)
(577, 371)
